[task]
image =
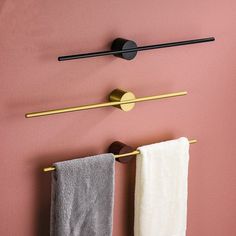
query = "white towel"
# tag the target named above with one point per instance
(161, 189)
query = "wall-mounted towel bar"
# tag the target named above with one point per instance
(127, 49)
(118, 98)
(118, 147)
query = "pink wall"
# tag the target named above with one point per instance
(35, 32)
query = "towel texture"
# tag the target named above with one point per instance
(82, 197)
(161, 189)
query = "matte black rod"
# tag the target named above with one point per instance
(130, 47)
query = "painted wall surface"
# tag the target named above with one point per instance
(35, 32)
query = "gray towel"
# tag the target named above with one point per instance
(82, 197)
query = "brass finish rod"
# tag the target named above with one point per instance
(106, 104)
(136, 152)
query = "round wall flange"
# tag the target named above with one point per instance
(122, 44)
(121, 148)
(119, 95)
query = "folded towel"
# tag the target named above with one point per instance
(82, 197)
(161, 189)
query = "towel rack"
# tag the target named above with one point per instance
(118, 98)
(120, 151)
(127, 49)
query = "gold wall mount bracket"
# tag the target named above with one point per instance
(118, 95)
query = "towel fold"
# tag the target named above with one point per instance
(82, 197)
(161, 189)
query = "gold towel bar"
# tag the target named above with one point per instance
(136, 152)
(118, 98)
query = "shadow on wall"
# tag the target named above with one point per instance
(42, 211)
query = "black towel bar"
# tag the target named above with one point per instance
(127, 49)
